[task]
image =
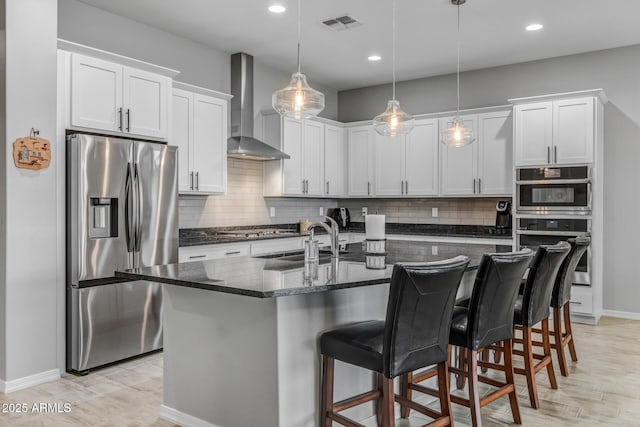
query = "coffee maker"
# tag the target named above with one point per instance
(503, 217)
(342, 217)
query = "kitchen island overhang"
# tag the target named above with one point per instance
(240, 337)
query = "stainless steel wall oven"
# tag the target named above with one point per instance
(554, 190)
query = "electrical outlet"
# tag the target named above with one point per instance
(321, 211)
(434, 212)
(272, 211)
(364, 211)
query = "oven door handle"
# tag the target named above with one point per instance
(555, 181)
(553, 233)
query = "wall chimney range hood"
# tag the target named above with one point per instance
(242, 144)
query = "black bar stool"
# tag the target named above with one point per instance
(531, 308)
(484, 319)
(415, 334)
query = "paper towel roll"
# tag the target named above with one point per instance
(374, 227)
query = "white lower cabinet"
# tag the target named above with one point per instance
(199, 129)
(217, 251)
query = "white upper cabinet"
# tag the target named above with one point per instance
(199, 129)
(459, 165)
(495, 137)
(107, 96)
(408, 165)
(484, 167)
(315, 149)
(559, 131)
(573, 131)
(334, 160)
(360, 161)
(421, 159)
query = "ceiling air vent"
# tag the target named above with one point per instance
(344, 22)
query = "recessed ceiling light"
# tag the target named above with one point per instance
(374, 58)
(277, 8)
(534, 27)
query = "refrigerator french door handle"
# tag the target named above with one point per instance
(138, 212)
(128, 210)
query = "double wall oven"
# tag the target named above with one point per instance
(553, 204)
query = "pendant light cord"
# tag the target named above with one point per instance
(458, 69)
(393, 50)
(299, 37)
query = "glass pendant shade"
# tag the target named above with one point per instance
(393, 121)
(457, 134)
(298, 99)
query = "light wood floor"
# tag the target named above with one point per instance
(603, 389)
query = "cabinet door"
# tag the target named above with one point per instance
(313, 151)
(573, 134)
(533, 134)
(359, 163)
(96, 93)
(182, 135)
(495, 135)
(458, 165)
(210, 144)
(334, 160)
(146, 103)
(421, 159)
(389, 169)
(292, 177)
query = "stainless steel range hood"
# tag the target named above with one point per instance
(242, 144)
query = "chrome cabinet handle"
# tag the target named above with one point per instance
(548, 154)
(191, 180)
(327, 187)
(120, 115)
(401, 187)
(555, 154)
(197, 181)
(479, 186)
(232, 253)
(406, 187)
(307, 186)
(575, 302)
(474, 186)
(368, 188)
(196, 256)
(128, 120)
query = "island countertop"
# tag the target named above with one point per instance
(286, 274)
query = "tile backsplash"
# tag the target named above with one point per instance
(244, 205)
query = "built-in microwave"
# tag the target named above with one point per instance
(533, 231)
(553, 190)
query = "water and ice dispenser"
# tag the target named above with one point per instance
(103, 217)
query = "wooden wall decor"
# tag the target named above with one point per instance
(32, 152)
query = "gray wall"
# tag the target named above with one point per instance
(28, 270)
(617, 71)
(198, 64)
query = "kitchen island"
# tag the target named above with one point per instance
(240, 334)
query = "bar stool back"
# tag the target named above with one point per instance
(415, 334)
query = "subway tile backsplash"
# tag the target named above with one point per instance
(244, 205)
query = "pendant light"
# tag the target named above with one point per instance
(393, 121)
(457, 134)
(298, 99)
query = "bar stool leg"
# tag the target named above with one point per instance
(474, 396)
(388, 399)
(558, 338)
(567, 327)
(485, 358)
(547, 353)
(529, 367)
(508, 372)
(379, 380)
(443, 388)
(405, 380)
(327, 391)
(462, 365)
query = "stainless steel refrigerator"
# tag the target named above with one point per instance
(122, 212)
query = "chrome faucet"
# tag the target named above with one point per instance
(333, 232)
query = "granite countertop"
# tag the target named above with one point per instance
(284, 274)
(215, 235)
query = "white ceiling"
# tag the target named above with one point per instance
(492, 32)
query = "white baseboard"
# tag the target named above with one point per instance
(621, 314)
(185, 420)
(30, 381)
